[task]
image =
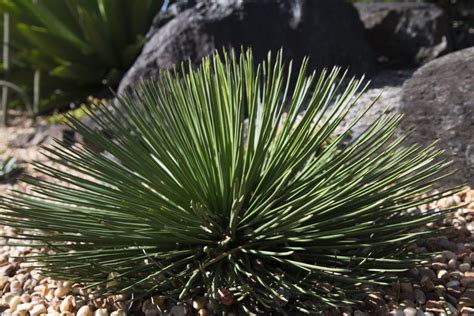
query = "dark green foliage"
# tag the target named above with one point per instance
(80, 45)
(190, 198)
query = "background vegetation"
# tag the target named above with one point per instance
(79, 46)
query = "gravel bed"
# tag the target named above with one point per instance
(442, 286)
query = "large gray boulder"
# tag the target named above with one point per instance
(439, 102)
(329, 32)
(405, 33)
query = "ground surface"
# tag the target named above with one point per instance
(444, 286)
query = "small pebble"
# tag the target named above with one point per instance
(464, 267)
(453, 283)
(62, 291)
(420, 297)
(199, 303)
(38, 310)
(449, 254)
(178, 311)
(439, 258)
(442, 274)
(14, 302)
(67, 304)
(25, 307)
(453, 264)
(406, 287)
(152, 312)
(84, 311)
(101, 312)
(397, 312)
(410, 311)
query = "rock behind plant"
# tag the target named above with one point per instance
(405, 33)
(439, 102)
(329, 32)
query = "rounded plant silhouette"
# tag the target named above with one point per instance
(229, 181)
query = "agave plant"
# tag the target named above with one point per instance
(79, 45)
(214, 184)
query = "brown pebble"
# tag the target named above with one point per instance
(61, 291)
(67, 304)
(113, 282)
(406, 287)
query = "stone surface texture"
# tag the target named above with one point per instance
(405, 33)
(438, 100)
(329, 32)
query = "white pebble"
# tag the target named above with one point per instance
(38, 310)
(442, 274)
(14, 302)
(84, 311)
(15, 287)
(409, 311)
(101, 312)
(24, 307)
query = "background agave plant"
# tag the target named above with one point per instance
(214, 185)
(79, 45)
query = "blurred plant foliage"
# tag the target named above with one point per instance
(228, 189)
(80, 46)
(79, 112)
(8, 168)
